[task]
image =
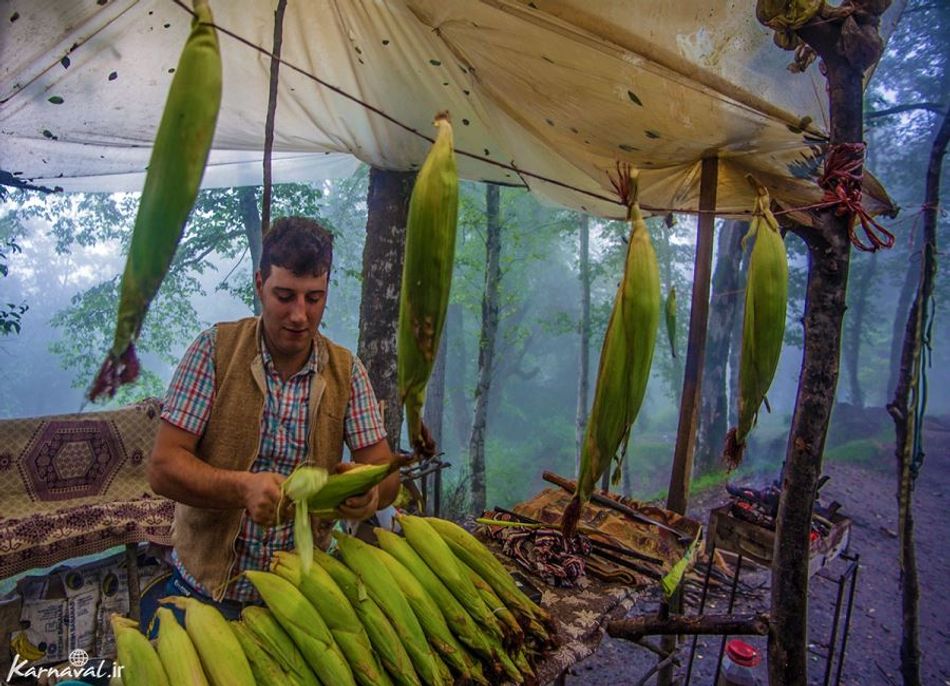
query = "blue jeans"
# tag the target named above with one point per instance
(177, 586)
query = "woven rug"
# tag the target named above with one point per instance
(75, 485)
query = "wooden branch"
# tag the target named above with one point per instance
(636, 628)
(897, 109)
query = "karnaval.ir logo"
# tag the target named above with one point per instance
(79, 666)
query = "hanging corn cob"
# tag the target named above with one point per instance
(625, 358)
(763, 321)
(426, 277)
(175, 169)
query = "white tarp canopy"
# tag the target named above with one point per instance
(560, 89)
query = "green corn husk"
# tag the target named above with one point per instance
(306, 627)
(460, 622)
(385, 640)
(221, 655)
(428, 613)
(440, 559)
(272, 638)
(763, 321)
(426, 277)
(473, 553)
(141, 664)
(175, 168)
(177, 652)
(323, 593)
(381, 587)
(266, 670)
(625, 361)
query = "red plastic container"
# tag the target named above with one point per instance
(739, 665)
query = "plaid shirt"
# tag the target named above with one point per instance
(283, 438)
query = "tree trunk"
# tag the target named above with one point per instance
(829, 252)
(862, 287)
(734, 350)
(724, 309)
(388, 206)
(911, 279)
(486, 346)
(435, 395)
(456, 380)
(583, 375)
(251, 218)
(908, 408)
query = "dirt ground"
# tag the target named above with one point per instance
(867, 495)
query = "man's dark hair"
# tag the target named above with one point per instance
(299, 244)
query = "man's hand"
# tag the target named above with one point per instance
(262, 496)
(359, 507)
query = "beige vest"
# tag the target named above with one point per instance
(204, 539)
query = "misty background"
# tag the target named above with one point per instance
(61, 257)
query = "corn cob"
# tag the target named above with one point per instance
(763, 321)
(426, 276)
(177, 652)
(323, 496)
(671, 319)
(513, 629)
(440, 559)
(221, 655)
(458, 619)
(141, 664)
(472, 552)
(266, 670)
(428, 613)
(275, 642)
(625, 360)
(386, 592)
(318, 587)
(306, 627)
(177, 164)
(386, 642)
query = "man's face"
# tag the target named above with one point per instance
(291, 310)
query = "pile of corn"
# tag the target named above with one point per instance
(433, 607)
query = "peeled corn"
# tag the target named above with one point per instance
(426, 277)
(141, 664)
(763, 321)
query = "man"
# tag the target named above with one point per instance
(250, 401)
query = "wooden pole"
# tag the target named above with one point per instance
(678, 496)
(635, 628)
(272, 112)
